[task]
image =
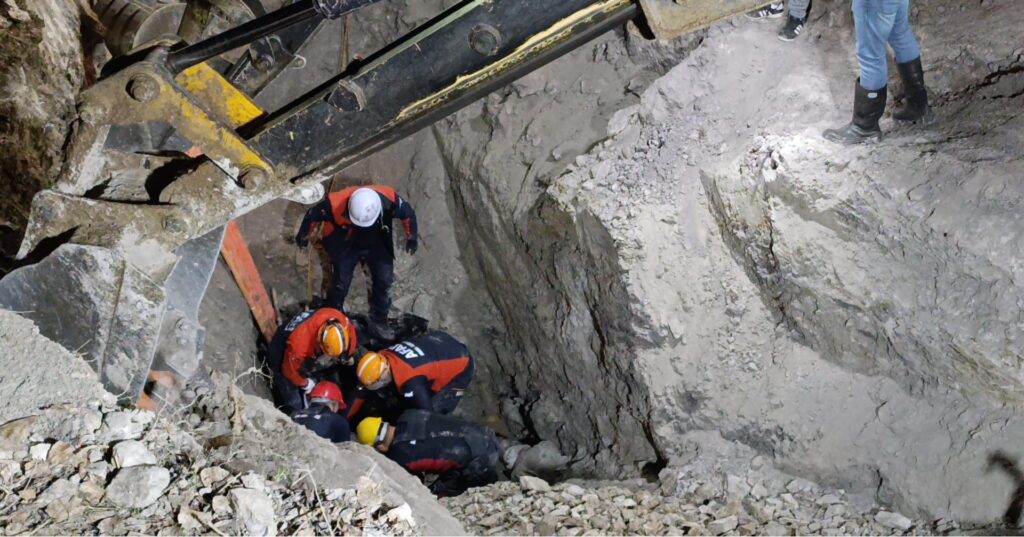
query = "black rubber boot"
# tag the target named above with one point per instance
(915, 107)
(382, 329)
(868, 107)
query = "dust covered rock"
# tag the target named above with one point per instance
(631, 508)
(74, 466)
(138, 486)
(254, 511)
(131, 453)
(41, 73)
(36, 372)
(198, 483)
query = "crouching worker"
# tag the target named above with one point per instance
(463, 454)
(326, 332)
(322, 416)
(429, 372)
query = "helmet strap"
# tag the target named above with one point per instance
(382, 434)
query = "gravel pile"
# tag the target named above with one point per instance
(103, 470)
(533, 507)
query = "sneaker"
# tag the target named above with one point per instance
(792, 29)
(773, 11)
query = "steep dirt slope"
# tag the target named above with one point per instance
(854, 314)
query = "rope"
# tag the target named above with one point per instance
(309, 252)
(330, 187)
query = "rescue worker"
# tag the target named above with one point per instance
(327, 332)
(429, 372)
(322, 416)
(357, 227)
(878, 22)
(462, 453)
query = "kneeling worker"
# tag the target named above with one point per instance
(462, 453)
(322, 416)
(430, 372)
(324, 331)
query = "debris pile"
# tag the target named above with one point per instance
(533, 507)
(99, 469)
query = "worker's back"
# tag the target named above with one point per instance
(465, 454)
(435, 355)
(324, 422)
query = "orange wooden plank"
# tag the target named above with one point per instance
(146, 402)
(239, 259)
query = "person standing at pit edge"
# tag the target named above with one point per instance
(357, 227)
(878, 22)
(798, 10)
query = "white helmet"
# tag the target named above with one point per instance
(364, 207)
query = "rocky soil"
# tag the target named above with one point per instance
(534, 507)
(100, 470)
(41, 72)
(73, 462)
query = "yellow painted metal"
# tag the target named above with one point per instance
(218, 95)
(218, 141)
(208, 127)
(673, 18)
(539, 42)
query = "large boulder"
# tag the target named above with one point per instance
(41, 73)
(36, 372)
(714, 268)
(269, 442)
(91, 300)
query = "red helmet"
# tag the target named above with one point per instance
(329, 391)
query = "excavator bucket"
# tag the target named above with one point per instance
(673, 18)
(121, 321)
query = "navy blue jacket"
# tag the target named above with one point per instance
(325, 423)
(463, 453)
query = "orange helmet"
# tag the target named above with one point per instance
(374, 371)
(334, 339)
(327, 391)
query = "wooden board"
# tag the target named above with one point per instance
(239, 259)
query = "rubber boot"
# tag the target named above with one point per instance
(868, 107)
(382, 329)
(915, 108)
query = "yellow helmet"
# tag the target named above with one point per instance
(333, 339)
(374, 371)
(369, 431)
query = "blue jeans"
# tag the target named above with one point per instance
(798, 8)
(879, 22)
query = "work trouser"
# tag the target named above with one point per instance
(287, 396)
(879, 22)
(798, 8)
(478, 473)
(381, 262)
(445, 401)
(481, 470)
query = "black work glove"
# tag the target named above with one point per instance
(301, 241)
(411, 246)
